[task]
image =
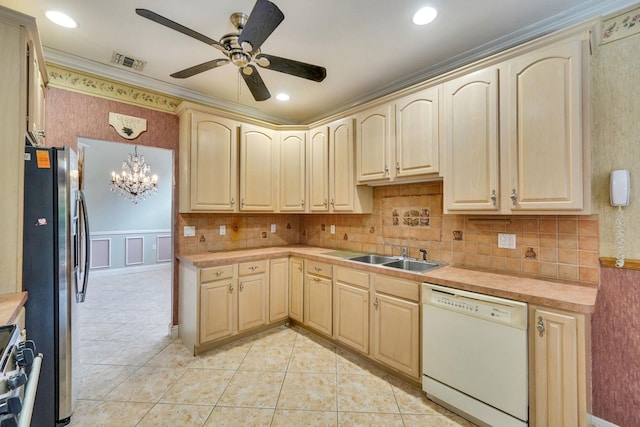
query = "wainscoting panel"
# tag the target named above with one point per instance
(134, 250)
(163, 248)
(100, 253)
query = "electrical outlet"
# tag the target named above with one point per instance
(223, 230)
(506, 241)
(189, 230)
(332, 229)
(273, 228)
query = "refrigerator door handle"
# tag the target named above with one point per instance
(84, 231)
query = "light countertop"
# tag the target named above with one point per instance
(549, 293)
(10, 305)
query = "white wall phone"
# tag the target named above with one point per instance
(620, 191)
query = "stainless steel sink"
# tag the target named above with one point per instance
(373, 259)
(412, 265)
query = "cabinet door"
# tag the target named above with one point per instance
(252, 301)
(258, 161)
(417, 134)
(342, 185)
(352, 316)
(471, 138)
(36, 100)
(292, 171)
(214, 159)
(318, 304)
(545, 140)
(217, 310)
(319, 169)
(278, 289)
(396, 340)
(556, 369)
(373, 141)
(296, 288)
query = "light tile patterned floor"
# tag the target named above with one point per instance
(132, 374)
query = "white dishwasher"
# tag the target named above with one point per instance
(474, 355)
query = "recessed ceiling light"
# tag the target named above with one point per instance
(282, 97)
(61, 19)
(425, 16)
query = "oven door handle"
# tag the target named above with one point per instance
(24, 419)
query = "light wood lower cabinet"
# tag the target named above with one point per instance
(296, 289)
(252, 295)
(278, 289)
(396, 324)
(217, 303)
(318, 300)
(351, 308)
(558, 368)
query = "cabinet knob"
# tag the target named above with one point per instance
(302, 203)
(318, 269)
(315, 279)
(514, 197)
(253, 267)
(325, 203)
(333, 203)
(375, 303)
(398, 166)
(233, 201)
(540, 326)
(242, 202)
(386, 170)
(218, 273)
(230, 288)
(494, 197)
(241, 286)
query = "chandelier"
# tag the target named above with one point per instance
(133, 183)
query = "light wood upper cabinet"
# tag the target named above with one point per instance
(292, 179)
(318, 170)
(400, 139)
(471, 180)
(208, 162)
(544, 120)
(258, 169)
(558, 368)
(417, 130)
(516, 135)
(345, 196)
(374, 133)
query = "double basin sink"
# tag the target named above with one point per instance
(413, 265)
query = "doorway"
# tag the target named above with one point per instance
(126, 237)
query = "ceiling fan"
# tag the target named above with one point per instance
(242, 48)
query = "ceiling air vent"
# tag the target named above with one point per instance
(127, 61)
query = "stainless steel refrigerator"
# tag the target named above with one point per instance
(55, 273)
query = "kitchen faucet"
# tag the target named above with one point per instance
(403, 249)
(424, 254)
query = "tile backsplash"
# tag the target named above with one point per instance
(550, 246)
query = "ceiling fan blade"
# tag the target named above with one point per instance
(200, 68)
(289, 66)
(146, 13)
(254, 82)
(263, 19)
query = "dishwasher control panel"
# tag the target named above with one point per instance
(493, 309)
(479, 308)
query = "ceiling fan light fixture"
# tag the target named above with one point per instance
(425, 16)
(61, 19)
(282, 97)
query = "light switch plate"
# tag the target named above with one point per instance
(506, 241)
(273, 228)
(332, 229)
(223, 230)
(189, 230)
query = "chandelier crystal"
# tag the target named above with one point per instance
(133, 183)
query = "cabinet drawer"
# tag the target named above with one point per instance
(397, 287)
(216, 273)
(252, 267)
(318, 268)
(352, 277)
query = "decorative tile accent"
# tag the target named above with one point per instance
(620, 26)
(410, 217)
(84, 83)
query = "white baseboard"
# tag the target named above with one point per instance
(174, 331)
(597, 422)
(127, 270)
